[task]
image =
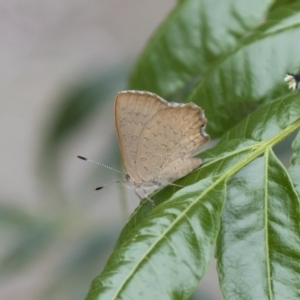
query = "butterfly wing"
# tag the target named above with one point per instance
(169, 141)
(133, 109)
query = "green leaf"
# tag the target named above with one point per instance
(157, 256)
(193, 36)
(252, 74)
(167, 251)
(294, 169)
(264, 125)
(259, 243)
(279, 3)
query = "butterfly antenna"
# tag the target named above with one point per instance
(103, 186)
(97, 163)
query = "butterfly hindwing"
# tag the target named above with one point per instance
(169, 141)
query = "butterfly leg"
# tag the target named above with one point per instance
(148, 198)
(141, 198)
(174, 184)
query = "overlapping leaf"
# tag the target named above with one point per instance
(279, 3)
(195, 35)
(259, 243)
(245, 77)
(294, 169)
(252, 74)
(167, 252)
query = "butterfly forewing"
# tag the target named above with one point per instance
(133, 109)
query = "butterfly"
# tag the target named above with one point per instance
(157, 139)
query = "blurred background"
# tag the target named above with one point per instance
(61, 64)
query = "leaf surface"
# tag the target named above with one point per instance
(165, 252)
(252, 74)
(259, 243)
(193, 36)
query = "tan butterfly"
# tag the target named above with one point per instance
(157, 139)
